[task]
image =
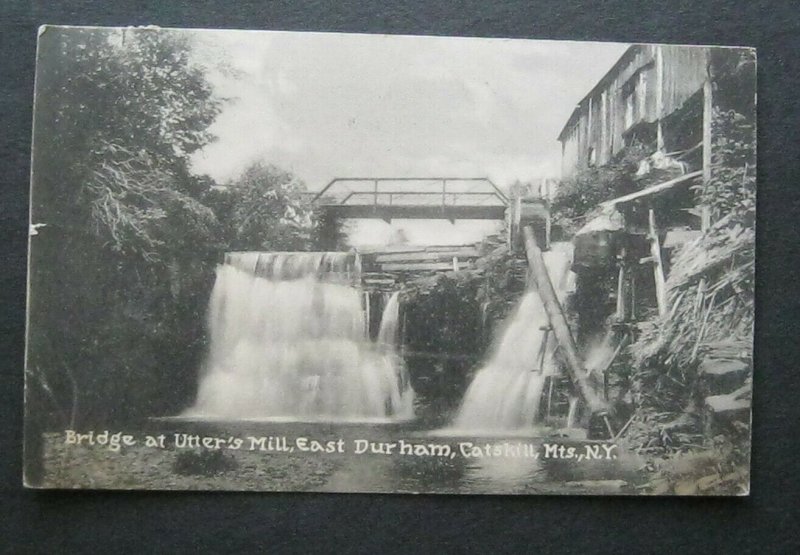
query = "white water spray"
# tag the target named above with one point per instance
(506, 392)
(288, 340)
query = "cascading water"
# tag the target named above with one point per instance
(288, 340)
(506, 392)
(572, 414)
(390, 321)
(388, 338)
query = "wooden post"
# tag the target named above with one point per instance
(659, 97)
(455, 263)
(559, 324)
(543, 348)
(367, 315)
(708, 114)
(604, 150)
(621, 313)
(547, 228)
(516, 231)
(658, 267)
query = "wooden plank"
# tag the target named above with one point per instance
(652, 190)
(450, 248)
(425, 266)
(440, 356)
(380, 249)
(391, 249)
(425, 256)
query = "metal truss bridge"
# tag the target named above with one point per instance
(389, 198)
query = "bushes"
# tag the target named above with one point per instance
(731, 192)
(710, 295)
(710, 288)
(123, 265)
(580, 194)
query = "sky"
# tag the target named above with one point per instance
(325, 105)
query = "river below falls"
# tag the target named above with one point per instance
(314, 456)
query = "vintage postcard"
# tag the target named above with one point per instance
(329, 262)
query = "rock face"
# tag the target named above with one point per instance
(449, 322)
(721, 376)
(725, 385)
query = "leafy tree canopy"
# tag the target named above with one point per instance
(118, 112)
(266, 209)
(121, 269)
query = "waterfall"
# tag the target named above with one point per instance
(288, 340)
(572, 415)
(387, 333)
(505, 393)
(388, 339)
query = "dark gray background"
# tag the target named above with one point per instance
(160, 522)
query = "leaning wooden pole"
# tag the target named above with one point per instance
(558, 322)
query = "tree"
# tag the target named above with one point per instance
(266, 209)
(120, 268)
(118, 112)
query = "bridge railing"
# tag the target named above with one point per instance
(447, 188)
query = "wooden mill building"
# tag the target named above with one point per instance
(645, 96)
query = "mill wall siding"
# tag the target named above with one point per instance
(597, 127)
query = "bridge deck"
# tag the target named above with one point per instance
(416, 212)
(386, 198)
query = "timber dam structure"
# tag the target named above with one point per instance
(320, 336)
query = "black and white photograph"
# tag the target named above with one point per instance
(332, 262)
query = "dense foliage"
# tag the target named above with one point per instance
(711, 282)
(710, 294)
(265, 209)
(578, 195)
(121, 257)
(126, 237)
(731, 191)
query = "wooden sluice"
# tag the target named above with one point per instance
(558, 322)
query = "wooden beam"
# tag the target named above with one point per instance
(659, 97)
(652, 190)
(708, 114)
(378, 250)
(658, 267)
(621, 313)
(421, 267)
(451, 248)
(425, 256)
(417, 212)
(558, 322)
(399, 192)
